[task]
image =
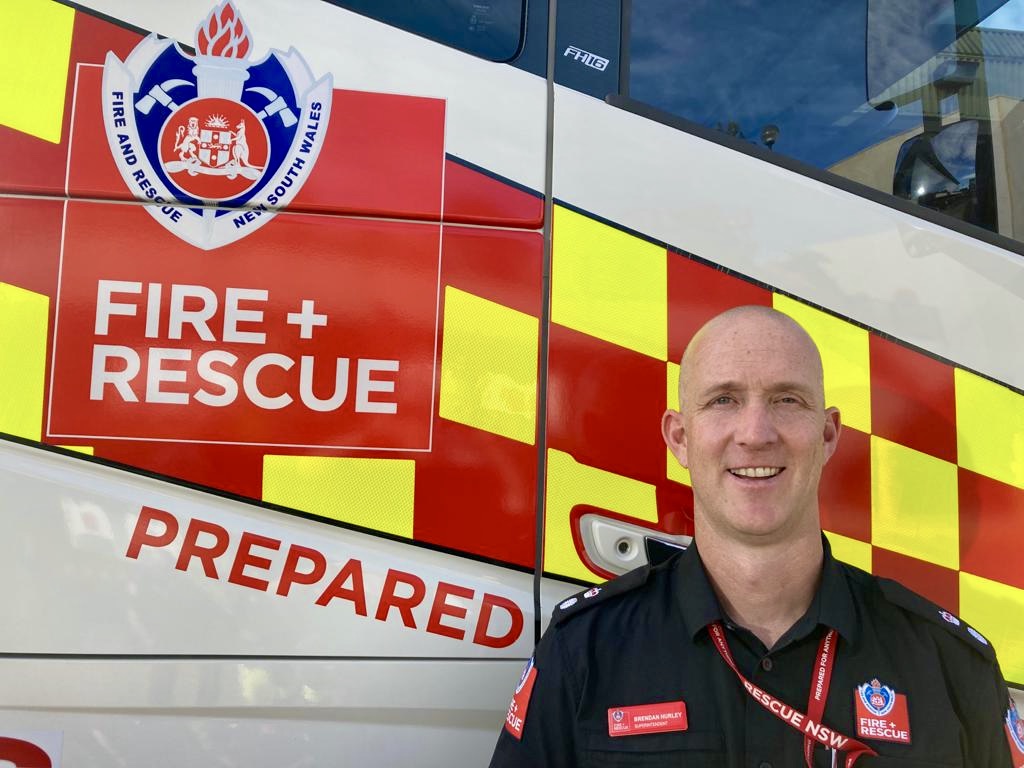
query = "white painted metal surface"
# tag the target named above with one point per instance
(133, 678)
(70, 524)
(172, 713)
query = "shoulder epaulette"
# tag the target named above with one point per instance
(581, 601)
(909, 600)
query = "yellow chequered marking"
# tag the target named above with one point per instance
(88, 450)
(375, 493)
(35, 47)
(989, 428)
(24, 319)
(673, 469)
(852, 551)
(914, 504)
(997, 611)
(609, 284)
(570, 483)
(844, 356)
(489, 366)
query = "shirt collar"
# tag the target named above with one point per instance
(832, 604)
(836, 607)
(694, 594)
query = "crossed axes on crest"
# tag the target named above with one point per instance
(276, 104)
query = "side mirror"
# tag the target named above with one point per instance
(941, 171)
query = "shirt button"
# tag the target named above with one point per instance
(766, 665)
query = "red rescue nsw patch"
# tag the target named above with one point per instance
(647, 718)
(516, 717)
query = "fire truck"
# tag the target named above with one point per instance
(335, 337)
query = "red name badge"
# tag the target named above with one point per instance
(647, 718)
(881, 713)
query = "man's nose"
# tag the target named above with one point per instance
(756, 427)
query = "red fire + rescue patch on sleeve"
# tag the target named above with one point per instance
(1015, 734)
(516, 717)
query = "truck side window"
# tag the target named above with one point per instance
(918, 99)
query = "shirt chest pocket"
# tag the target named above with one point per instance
(655, 750)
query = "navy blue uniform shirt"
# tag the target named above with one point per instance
(643, 639)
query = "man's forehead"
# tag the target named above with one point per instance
(752, 341)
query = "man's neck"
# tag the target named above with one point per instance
(764, 588)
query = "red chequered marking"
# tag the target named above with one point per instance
(991, 528)
(31, 248)
(500, 266)
(236, 469)
(845, 490)
(675, 508)
(383, 155)
(696, 293)
(938, 584)
(29, 164)
(31, 252)
(476, 492)
(913, 401)
(476, 198)
(605, 405)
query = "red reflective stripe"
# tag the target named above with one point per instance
(809, 725)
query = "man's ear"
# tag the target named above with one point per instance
(830, 435)
(674, 433)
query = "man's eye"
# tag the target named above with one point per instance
(722, 400)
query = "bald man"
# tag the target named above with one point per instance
(755, 647)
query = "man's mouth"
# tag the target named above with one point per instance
(756, 472)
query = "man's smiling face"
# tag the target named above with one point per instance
(753, 428)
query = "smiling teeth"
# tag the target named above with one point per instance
(756, 471)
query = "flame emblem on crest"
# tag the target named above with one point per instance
(223, 34)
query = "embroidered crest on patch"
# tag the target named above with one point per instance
(592, 592)
(950, 618)
(516, 717)
(204, 136)
(1015, 733)
(881, 713)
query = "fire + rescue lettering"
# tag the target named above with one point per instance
(881, 729)
(306, 566)
(193, 306)
(513, 718)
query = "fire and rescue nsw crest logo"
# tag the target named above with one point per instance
(217, 143)
(878, 698)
